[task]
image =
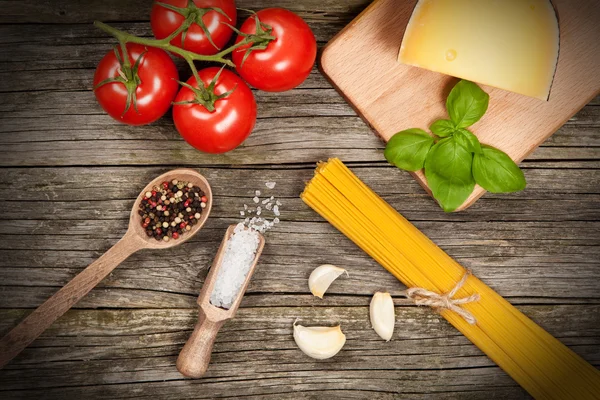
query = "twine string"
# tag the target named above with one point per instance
(424, 297)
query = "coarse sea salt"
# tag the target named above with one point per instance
(267, 207)
(238, 257)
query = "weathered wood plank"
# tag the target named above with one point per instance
(424, 345)
(30, 116)
(68, 12)
(287, 132)
(47, 193)
(283, 145)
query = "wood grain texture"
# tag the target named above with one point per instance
(70, 176)
(362, 63)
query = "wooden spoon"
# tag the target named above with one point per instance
(195, 356)
(135, 239)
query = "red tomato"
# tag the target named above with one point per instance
(228, 125)
(158, 85)
(287, 61)
(165, 21)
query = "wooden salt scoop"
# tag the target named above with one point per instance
(134, 239)
(195, 356)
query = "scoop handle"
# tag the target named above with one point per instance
(194, 358)
(39, 320)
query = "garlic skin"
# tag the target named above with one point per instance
(322, 277)
(319, 342)
(382, 313)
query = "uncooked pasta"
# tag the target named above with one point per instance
(540, 363)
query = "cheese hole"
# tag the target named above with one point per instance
(451, 55)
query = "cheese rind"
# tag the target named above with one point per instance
(508, 44)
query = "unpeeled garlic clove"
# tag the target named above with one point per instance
(320, 342)
(382, 315)
(320, 279)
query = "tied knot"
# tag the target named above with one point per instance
(446, 301)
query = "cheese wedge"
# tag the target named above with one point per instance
(508, 44)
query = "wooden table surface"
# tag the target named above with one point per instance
(70, 175)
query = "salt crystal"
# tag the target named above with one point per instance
(272, 198)
(278, 203)
(238, 257)
(242, 213)
(265, 201)
(270, 185)
(276, 220)
(256, 199)
(258, 212)
(245, 206)
(269, 206)
(276, 210)
(257, 193)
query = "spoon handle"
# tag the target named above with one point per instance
(194, 358)
(39, 320)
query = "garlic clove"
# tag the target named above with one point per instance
(320, 342)
(382, 315)
(322, 277)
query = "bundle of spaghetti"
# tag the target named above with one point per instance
(540, 363)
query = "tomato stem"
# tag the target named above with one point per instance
(125, 64)
(124, 37)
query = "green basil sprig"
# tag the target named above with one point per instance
(454, 159)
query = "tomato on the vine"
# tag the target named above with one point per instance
(208, 23)
(139, 94)
(219, 118)
(288, 58)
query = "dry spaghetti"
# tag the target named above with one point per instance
(540, 363)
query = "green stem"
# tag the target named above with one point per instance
(124, 37)
(194, 71)
(233, 48)
(126, 62)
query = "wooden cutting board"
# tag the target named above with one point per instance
(361, 62)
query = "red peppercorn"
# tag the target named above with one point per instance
(182, 225)
(165, 185)
(154, 193)
(187, 203)
(175, 235)
(204, 199)
(147, 220)
(158, 231)
(145, 224)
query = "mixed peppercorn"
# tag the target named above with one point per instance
(171, 209)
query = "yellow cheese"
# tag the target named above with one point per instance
(508, 44)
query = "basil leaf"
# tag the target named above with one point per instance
(469, 141)
(466, 104)
(448, 172)
(407, 149)
(496, 172)
(443, 128)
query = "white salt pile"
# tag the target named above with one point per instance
(238, 257)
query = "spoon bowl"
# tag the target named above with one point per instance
(181, 174)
